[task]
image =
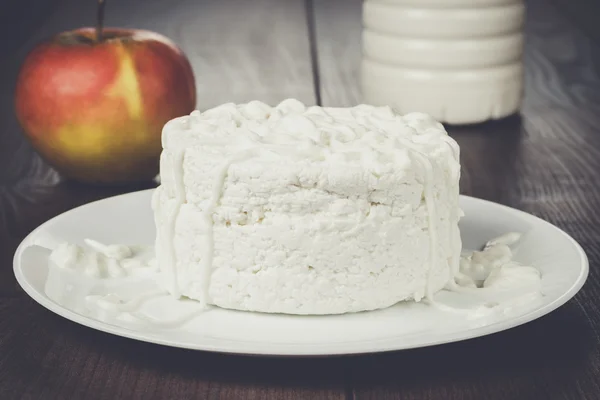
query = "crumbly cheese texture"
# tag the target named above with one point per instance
(306, 210)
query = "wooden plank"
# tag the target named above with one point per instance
(70, 361)
(43, 356)
(240, 51)
(545, 162)
(338, 40)
(583, 14)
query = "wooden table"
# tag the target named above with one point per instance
(545, 162)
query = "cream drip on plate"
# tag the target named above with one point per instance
(102, 261)
(493, 274)
(494, 268)
(113, 306)
(96, 270)
(490, 272)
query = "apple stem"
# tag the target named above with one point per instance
(100, 20)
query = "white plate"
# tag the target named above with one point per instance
(128, 219)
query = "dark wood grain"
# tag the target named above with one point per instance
(582, 13)
(50, 358)
(338, 43)
(545, 161)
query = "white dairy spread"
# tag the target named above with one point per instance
(491, 273)
(99, 260)
(493, 268)
(307, 210)
(299, 210)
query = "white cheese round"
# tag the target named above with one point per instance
(306, 210)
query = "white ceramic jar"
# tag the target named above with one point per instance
(458, 60)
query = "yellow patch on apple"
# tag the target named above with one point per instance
(126, 85)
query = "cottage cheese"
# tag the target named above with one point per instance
(306, 210)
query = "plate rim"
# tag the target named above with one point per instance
(264, 349)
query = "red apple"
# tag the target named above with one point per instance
(94, 109)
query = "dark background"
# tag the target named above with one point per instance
(546, 161)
